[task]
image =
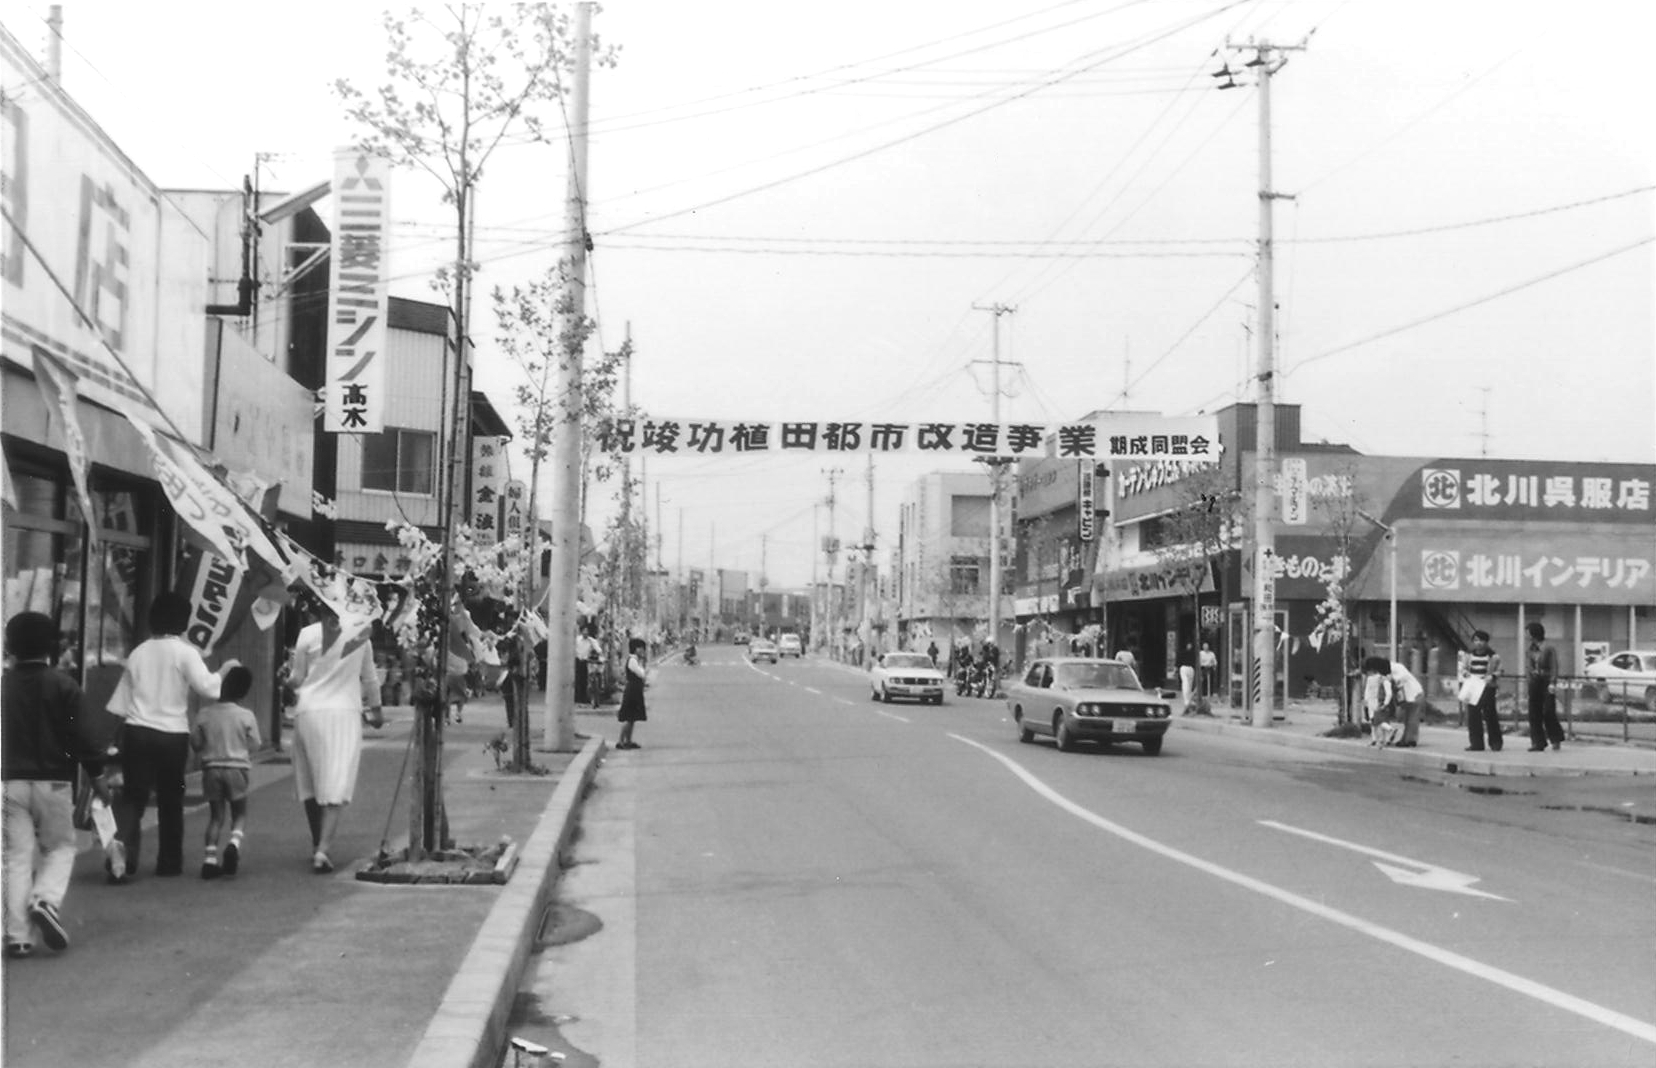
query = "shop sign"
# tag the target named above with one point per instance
(135, 269)
(488, 482)
(1296, 491)
(359, 294)
(1142, 478)
(514, 505)
(388, 560)
(1107, 438)
(1174, 580)
(1493, 489)
(1086, 516)
(1449, 570)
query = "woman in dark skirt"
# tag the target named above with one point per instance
(632, 698)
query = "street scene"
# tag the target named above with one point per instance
(1072, 533)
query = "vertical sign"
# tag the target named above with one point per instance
(1296, 492)
(1085, 514)
(488, 480)
(359, 294)
(514, 504)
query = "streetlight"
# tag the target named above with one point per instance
(1391, 581)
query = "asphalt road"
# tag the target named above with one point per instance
(790, 874)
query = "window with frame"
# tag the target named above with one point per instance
(963, 575)
(399, 461)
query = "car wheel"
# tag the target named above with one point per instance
(1061, 734)
(1152, 746)
(885, 695)
(1025, 735)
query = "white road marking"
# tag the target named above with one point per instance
(1410, 873)
(1639, 1029)
(893, 715)
(813, 689)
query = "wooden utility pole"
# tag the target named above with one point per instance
(558, 715)
(995, 466)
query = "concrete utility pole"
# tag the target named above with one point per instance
(1266, 62)
(869, 586)
(995, 464)
(830, 550)
(558, 715)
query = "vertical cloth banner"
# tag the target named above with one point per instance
(57, 386)
(488, 478)
(205, 504)
(359, 294)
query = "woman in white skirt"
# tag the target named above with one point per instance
(333, 673)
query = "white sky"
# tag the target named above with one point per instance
(1401, 115)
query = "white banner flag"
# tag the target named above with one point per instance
(359, 294)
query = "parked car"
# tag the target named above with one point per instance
(1625, 676)
(788, 645)
(739, 638)
(760, 649)
(910, 675)
(1082, 699)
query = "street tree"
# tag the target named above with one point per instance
(1339, 507)
(461, 80)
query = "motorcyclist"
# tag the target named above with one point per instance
(690, 654)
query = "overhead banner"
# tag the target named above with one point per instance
(57, 387)
(359, 294)
(1127, 437)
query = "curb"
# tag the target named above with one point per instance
(1467, 764)
(469, 1026)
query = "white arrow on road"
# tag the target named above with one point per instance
(1400, 869)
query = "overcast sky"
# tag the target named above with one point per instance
(796, 206)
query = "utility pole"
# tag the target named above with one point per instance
(869, 586)
(830, 549)
(1267, 62)
(816, 581)
(1483, 422)
(995, 465)
(558, 719)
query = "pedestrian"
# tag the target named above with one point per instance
(1483, 669)
(1379, 702)
(931, 651)
(1543, 701)
(333, 669)
(1208, 661)
(1187, 680)
(224, 738)
(632, 697)
(584, 643)
(153, 698)
(1408, 697)
(46, 737)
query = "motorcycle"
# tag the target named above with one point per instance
(963, 680)
(690, 656)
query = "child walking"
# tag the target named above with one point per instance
(44, 738)
(225, 736)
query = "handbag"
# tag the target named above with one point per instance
(1472, 689)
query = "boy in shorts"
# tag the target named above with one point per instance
(225, 735)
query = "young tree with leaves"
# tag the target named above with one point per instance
(462, 80)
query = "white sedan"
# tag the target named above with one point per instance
(911, 675)
(1627, 676)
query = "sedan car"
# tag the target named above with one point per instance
(1625, 676)
(760, 649)
(912, 675)
(788, 645)
(1081, 699)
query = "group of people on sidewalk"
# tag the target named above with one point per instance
(51, 744)
(1395, 699)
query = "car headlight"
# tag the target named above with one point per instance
(1086, 709)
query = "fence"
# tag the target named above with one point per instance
(1590, 709)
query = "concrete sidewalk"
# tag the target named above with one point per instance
(278, 966)
(1306, 724)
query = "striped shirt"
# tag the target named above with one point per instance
(1478, 663)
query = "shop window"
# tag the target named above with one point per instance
(399, 461)
(43, 552)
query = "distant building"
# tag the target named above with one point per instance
(942, 583)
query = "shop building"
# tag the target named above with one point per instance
(943, 545)
(1479, 543)
(1059, 516)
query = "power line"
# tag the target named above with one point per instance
(1601, 257)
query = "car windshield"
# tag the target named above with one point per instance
(1098, 676)
(907, 660)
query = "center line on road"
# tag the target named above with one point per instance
(893, 715)
(813, 689)
(1629, 1025)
